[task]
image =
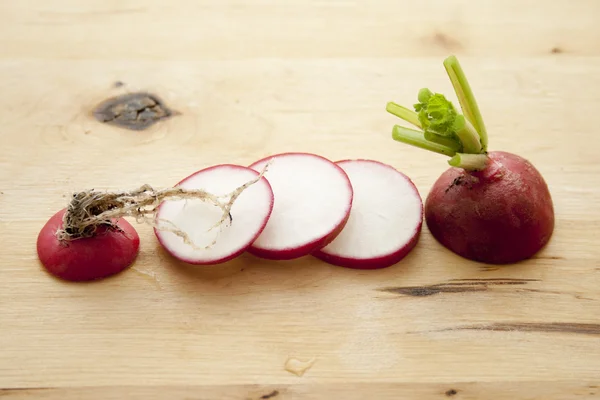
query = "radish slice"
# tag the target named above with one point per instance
(249, 215)
(87, 259)
(385, 221)
(313, 197)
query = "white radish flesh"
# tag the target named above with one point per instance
(385, 221)
(249, 215)
(313, 198)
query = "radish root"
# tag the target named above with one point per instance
(91, 209)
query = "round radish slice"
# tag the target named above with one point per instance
(109, 252)
(249, 215)
(385, 221)
(313, 197)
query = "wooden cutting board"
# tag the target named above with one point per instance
(250, 79)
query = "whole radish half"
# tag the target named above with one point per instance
(502, 214)
(493, 207)
(109, 252)
(385, 220)
(313, 198)
(212, 243)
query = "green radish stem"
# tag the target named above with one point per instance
(452, 143)
(473, 162)
(404, 113)
(417, 138)
(442, 128)
(468, 136)
(466, 98)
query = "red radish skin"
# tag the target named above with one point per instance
(313, 198)
(385, 221)
(108, 253)
(500, 215)
(249, 213)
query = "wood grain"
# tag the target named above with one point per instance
(351, 391)
(249, 79)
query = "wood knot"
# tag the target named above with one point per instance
(445, 41)
(451, 392)
(135, 111)
(274, 393)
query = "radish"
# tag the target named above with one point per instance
(90, 239)
(492, 207)
(313, 198)
(107, 253)
(197, 219)
(385, 220)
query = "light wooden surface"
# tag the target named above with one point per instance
(255, 78)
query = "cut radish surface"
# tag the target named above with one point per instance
(198, 219)
(86, 259)
(385, 221)
(313, 197)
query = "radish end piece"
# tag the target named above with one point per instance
(87, 259)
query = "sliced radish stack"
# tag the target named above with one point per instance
(385, 221)
(249, 215)
(313, 198)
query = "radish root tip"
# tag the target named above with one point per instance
(90, 210)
